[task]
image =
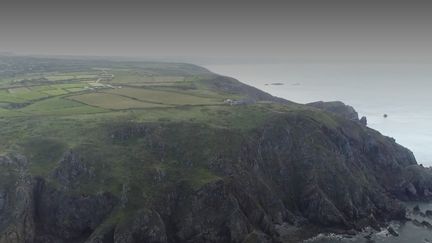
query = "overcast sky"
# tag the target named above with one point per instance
(301, 30)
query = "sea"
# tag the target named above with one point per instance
(396, 98)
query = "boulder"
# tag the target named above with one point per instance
(427, 224)
(392, 231)
(363, 121)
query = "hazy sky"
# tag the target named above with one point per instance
(310, 30)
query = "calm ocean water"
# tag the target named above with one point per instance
(402, 91)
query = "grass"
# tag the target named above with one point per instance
(112, 101)
(44, 152)
(69, 85)
(78, 89)
(6, 97)
(24, 94)
(199, 177)
(6, 113)
(59, 106)
(59, 77)
(138, 76)
(70, 76)
(18, 90)
(164, 97)
(94, 84)
(55, 92)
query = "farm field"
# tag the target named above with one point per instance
(71, 77)
(142, 77)
(58, 106)
(18, 90)
(104, 87)
(23, 95)
(112, 101)
(164, 97)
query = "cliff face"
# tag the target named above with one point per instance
(214, 184)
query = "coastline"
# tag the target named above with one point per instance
(416, 228)
(368, 88)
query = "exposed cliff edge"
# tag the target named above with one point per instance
(268, 171)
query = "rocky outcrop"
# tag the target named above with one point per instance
(143, 226)
(224, 221)
(71, 170)
(17, 209)
(31, 211)
(339, 108)
(363, 121)
(61, 217)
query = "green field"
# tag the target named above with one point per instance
(60, 107)
(71, 76)
(18, 90)
(142, 77)
(97, 87)
(55, 92)
(19, 95)
(164, 97)
(6, 97)
(112, 101)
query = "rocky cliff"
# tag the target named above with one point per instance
(295, 172)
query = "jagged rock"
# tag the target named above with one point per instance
(145, 226)
(368, 237)
(257, 237)
(104, 234)
(411, 190)
(417, 223)
(3, 199)
(71, 169)
(428, 213)
(427, 224)
(392, 231)
(211, 214)
(363, 121)
(416, 208)
(319, 209)
(18, 204)
(69, 217)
